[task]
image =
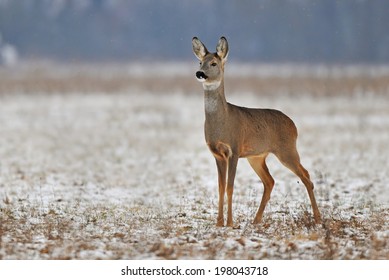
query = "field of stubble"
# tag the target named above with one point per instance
(109, 162)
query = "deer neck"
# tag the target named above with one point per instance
(214, 100)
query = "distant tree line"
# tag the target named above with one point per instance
(333, 31)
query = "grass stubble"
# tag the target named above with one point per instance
(126, 175)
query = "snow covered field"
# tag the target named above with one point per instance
(123, 172)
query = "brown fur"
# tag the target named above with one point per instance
(232, 132)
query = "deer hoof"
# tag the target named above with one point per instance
(220, 223)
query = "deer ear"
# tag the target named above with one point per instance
(222, 48)
(199, 49)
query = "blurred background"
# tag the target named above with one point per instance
(308, 31)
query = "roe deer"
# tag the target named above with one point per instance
(232, 132)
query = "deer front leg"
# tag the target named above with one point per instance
(232, 164)
(222, 173)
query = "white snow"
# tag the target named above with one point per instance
(128, 175)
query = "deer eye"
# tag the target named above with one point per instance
(213, 64)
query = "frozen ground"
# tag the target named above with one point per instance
(127, 175)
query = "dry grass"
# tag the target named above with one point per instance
(117, 232)
(126, 175)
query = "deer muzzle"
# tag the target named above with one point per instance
(200, 75)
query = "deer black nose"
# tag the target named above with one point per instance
(201, 75)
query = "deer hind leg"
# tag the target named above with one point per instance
(292, 161)
(260, 167)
